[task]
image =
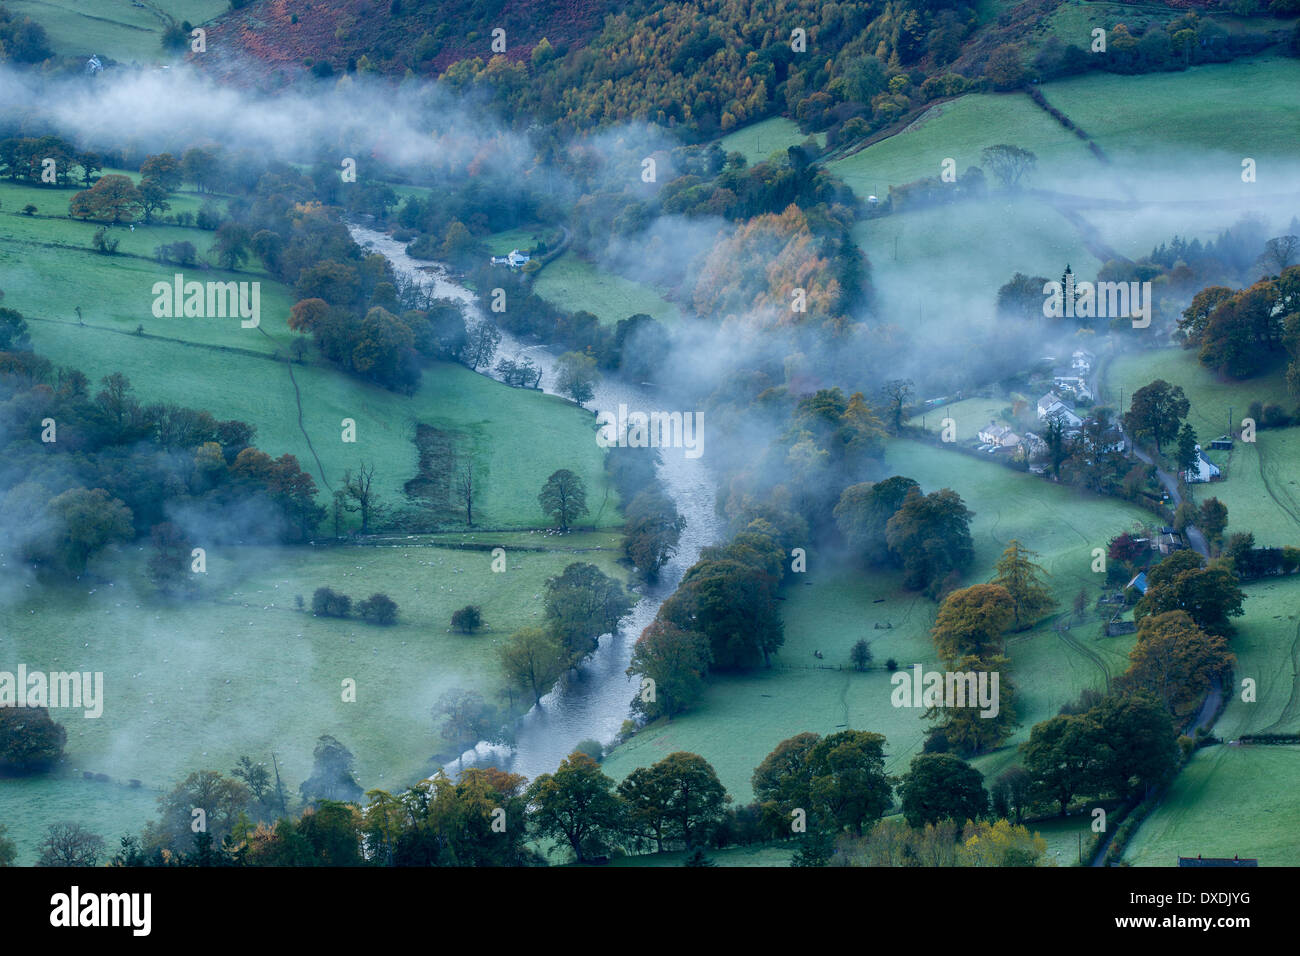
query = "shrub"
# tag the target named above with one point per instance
(378, 609)
(468, 619)
(326, 602)
(591, 747)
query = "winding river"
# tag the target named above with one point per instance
(596, 701)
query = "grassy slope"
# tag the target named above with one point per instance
(120, 29)
(1238, 800)
(1261, 490)
(575, 284)
(242, 671)
(742, 718)
(757, 141)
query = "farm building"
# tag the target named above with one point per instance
(1205, 470)
(1140, 582)
(1222, 443)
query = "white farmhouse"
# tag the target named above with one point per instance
(1205, 469)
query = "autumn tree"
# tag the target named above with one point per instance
(1176, 661)
(533, 659)
(576, 805)
(1022, 580)
(678, 799)
(931, 535)
(581, 604)
(113, 198)
(676, 661)
(1065, 756)
(972, 620)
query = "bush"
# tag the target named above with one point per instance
(326, 602)
(30, 740)
(378, 609)
(891, 665)
(591, 747)
(468, 619)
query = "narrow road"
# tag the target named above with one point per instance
(1170, 484)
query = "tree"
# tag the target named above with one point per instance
(484, 337)
(169, 564)
(533, 659)
(1176, 661)
(30, 740)
(679, 799)
(1142, 739)
(326, 602)
(1080, 603)
(466, 717)
(1057, 439)
(223, 801)
(1213, 519)
(676, 661)
(13, 331)
(8, 852)
(164, 169)
(577, 376)
(1189, 452)
(1279, 253)
(1156, 412)
(942, 787)
(255, 776)
(361, 490)
(465, 489)
(1012, 793)
(1004, 70)
(734, 604)
(88, 519)
(847, 785)
(931, 534)
(576, 804)
(331, 776)
(860, 655)
(968, 730)
(231, 245)
(468, 619)
(1009, 163)
(378, 608)
(1066, 755)
(113, 198)
(1210, 595)
(864, 511)
(583, 603)
(654, 527)
(898, 392)
(70, 844)
(1021, 578)
(563, 497)
(971, 621)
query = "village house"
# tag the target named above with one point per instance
(1205, 469)
(1065, 381)
(1051, 405)
(515, 260)
(1081, 361)
(999, 436)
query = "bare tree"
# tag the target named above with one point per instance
(465, 488)
(1280, 252)
(361, 490)
(484, 338)
(1009, 163)
(70, 844)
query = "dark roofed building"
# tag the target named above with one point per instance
(1199, 860)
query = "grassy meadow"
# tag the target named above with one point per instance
(741, 718)
(122, 29)
(574, 284)
(240, 670)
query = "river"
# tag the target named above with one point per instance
(594, 702)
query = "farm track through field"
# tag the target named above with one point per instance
(1292, 708)
(1277, 496)
(1075, 644)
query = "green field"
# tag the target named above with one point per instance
(1228, 801)
(757, 141)
(122, 29)
(976, 248)
(1261, 489)
(231, 372)
(574, 284)
(741, 718)
(240, 670)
